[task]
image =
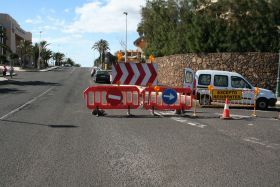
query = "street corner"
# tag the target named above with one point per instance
(3, 79)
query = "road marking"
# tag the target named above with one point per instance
(180, 120)
(72, 71)
(263, 143)
(24, 105)
(236, 116)
(250, 124)
(197, 125)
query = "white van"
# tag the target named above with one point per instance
(225, 80)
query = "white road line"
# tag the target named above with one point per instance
(254, 140)
(72, 71)
(263, 143)
(158, 114)
(250, 124)
(181, 120)
(237, 116)
(24, 105)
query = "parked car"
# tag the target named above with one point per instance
(93, 70)
(67, 65)
(102, 76)
(225, 80)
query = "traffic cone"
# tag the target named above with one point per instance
(226, 114)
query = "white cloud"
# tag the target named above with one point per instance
(56, 21)
(36, 20)
(29, 21)
(97, 17)
(66, 10)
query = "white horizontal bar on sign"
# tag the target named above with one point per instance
(114, 97)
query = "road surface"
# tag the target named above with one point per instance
(49, 138)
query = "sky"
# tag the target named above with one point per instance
(73, 26)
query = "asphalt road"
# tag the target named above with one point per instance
(49, 138)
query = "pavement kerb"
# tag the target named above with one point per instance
(16, 69)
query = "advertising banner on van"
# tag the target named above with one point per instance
(230, 94)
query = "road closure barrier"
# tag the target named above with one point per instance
(164, 98)
(112, 97)
(236, 97)
(239, 98)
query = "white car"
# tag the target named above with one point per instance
(93, 70)
(225, 80)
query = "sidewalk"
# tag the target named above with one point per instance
(278, 102)
(3, 79)
(17, 69)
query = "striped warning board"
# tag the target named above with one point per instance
(134, 74)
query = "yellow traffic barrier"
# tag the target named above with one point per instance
(257, 91)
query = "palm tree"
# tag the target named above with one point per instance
(58, 57)
(35, 53)
(46, 56)
(25, 50)
(70, 61)
(42, 49)
(101, 46)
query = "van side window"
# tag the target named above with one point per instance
(238, 82)
(221, 80)
(204, 79)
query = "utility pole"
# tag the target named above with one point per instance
(39, 58)
(278, 77)
(125, 36)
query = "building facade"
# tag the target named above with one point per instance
(14, 33)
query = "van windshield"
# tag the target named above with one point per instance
(238, 82)
(188, 77)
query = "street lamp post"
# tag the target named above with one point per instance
(278, 77)
(125, 36)
(39, 58)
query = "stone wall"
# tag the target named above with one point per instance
(259, 68)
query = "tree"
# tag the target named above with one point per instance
(35, 54)
(101, 46)
(25, 51)
(70, 62)
(77, 65)
(46, 56)
(182, 26)
(58, 58)
(42, 48)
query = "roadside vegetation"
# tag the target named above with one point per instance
(32, 56)
(185, 26)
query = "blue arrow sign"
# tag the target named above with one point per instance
(169, 96)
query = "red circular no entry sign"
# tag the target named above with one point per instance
(114, 96)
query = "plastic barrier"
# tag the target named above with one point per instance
(112, 97)
(165, 98)
(239, 98)
(236, 98)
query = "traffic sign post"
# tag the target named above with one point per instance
(114, 96)
(169, 96)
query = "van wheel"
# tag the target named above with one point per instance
(205, 100)
(262, 104)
